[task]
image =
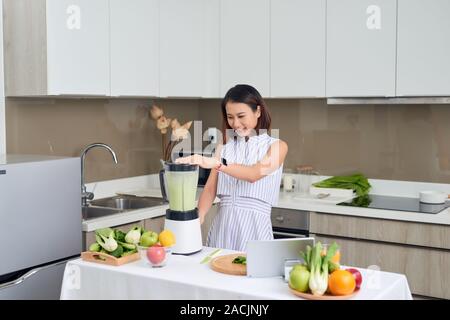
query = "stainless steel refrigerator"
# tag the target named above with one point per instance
(40, 223)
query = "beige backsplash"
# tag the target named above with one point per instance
(399, 142)
(65, 126)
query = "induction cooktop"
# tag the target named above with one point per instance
(394, 203)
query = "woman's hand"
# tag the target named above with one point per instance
(204, 162)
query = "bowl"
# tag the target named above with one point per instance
(142, 251)
(433, 197)
(157, 256)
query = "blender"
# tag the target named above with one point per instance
(179, 187)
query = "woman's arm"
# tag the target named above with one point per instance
(272, 161)
(210, 190)
(269, 163)
(208, 195)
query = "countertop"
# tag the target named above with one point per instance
(291, 201)
(287, 200)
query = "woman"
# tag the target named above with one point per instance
(247, 176)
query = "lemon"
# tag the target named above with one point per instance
(166, 238)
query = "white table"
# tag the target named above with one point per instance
(185, 278)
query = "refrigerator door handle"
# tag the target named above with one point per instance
(27, 275)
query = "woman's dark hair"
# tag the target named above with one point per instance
(243, 93)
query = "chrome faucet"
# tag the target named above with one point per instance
(85, 196)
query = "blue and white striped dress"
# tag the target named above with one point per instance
(245, 207)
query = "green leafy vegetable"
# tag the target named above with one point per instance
(127, 246)
(127, 253)
(119, 235)
(107, 242)
(319, 265)
(104, 232)
(358, 182)
(362, 201)
(112, 242)
(118, 252)
(134, 235)
(240, 260)
(95, 247)
(333, 266)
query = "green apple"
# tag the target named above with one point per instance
(300, 266)
(148, 239)
(299, 279)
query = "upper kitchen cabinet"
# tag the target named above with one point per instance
(134, 31)
(56, 47)
(423, 48)
(245, 44)
(361, 48)
(189, 48)
(297, 48)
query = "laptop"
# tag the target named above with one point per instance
(265, 258)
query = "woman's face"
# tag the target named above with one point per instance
(242, 118)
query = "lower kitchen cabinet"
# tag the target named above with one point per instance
(404, 232)
(89, 237)
(421, 251)
(155, 224)
(212, 213)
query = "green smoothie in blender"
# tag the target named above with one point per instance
(182, 183)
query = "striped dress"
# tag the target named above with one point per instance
(245, 207)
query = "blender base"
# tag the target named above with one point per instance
(188, 235)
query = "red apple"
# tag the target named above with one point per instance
(357, 275)
(156, 254)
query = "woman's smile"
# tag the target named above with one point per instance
(241, 118)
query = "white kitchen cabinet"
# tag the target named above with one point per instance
(245, 44)
(134, 50)
(189, 48)
(78, 47)
(56, 47)
(361, 48)
(297, 48)
(423, 64)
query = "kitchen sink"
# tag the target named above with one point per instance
(117, 204)
(128, 202)
(91, 212)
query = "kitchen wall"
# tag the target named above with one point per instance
(399, 142)
(64, 127)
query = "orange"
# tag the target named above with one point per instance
(166, 238)
(341, 282)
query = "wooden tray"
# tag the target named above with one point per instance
(224, 264)
(103, 258)
(326, 296)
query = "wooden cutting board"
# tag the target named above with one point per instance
(103, 258)
(224, 264)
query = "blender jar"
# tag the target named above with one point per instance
(181, 181)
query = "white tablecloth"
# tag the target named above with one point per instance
(185, 278)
